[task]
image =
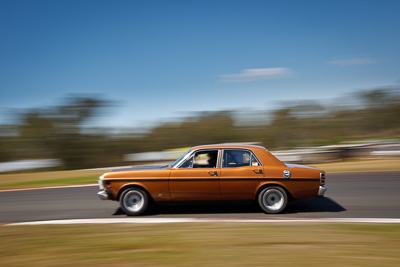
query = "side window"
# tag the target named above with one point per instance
(202, 159)
(238, 158)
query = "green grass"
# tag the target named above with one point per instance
(390, 164)
(49, 178)
(201, 244)
(53, 182)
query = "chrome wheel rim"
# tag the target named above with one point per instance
(134, 201)
(273, 199)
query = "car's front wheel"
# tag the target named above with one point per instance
(134, 201)
(273, 199)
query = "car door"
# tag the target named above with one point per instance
(241, 172)
(197, 178)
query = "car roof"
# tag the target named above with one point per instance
(228, 145)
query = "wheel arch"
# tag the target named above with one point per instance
(123, 188)
(265, 185)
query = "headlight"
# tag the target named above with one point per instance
(100, 181)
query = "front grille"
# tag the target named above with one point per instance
(322, 177)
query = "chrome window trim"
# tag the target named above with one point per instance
(242, 149)
(183, 159)
(189, 155)
(218, 158)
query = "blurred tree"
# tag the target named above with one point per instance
(283, 128)
(382, 109)
(58, 132)
(8, 145)
(62, 131)
(206, 128)
(4, 152)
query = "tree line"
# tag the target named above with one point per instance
(61, 131)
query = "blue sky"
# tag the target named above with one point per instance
(166, 59)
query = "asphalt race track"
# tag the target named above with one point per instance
(349, 195)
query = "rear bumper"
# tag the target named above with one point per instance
(102, 195)
(321, 191)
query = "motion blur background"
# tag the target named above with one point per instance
(88, 84)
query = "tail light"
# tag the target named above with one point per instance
(322, 177)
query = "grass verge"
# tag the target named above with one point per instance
(201, 244)
(52, 178)
(392, 164)
(54, 182)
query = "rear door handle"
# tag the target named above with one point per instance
(258, 171)
(213, 173)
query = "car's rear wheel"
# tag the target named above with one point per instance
(273, 199)
(134, 201)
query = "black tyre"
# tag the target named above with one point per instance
(273, 199)
(134, 201)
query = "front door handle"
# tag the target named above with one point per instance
(213, 173)
(258, 171)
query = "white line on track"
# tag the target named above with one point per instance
(207, 220)
(49, 187)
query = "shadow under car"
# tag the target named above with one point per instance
(309, 205)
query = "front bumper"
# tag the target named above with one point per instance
(321, 190)
(102, 195)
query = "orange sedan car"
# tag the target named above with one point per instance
(214, 173)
